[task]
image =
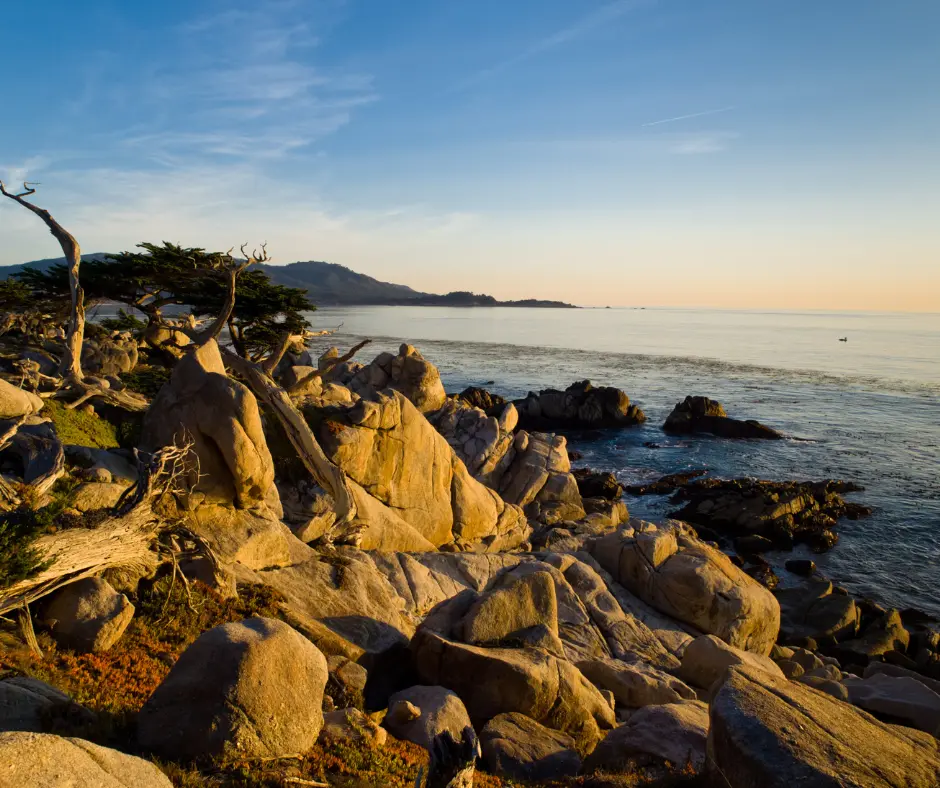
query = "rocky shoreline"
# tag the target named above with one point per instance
(401, 565)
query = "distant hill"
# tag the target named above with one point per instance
(329, 284)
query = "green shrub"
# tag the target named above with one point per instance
(77, 428)
(146, 380)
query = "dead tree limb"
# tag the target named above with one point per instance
(122, 540)
(70, 367)
(270, 363)
(300, 384)
(321, 468)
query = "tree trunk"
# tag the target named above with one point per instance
(324, 472)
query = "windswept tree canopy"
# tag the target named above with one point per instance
(160, 276)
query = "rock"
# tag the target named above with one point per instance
(830, 687)
(491, 404)
(885, 634)
(899, 699)
(477, 439)
(248, 689)
(294, 374)
(701, 414)
(518, 747)
(665, 485)
(792, 670)
(811, 610)
(353, 727)
(530, 681)
(408, 372)
(635, 684)
(707, 659)
(807, 659)
(120, 469)
(347, 682)
(92, 496)
(675, 732)
(219, 578)
(113, 355)
(684, 578)
(421, 714)
(88, 615)
(753, 545)
(497, 615)
(597, 484)
(27, 703)
(16, 403)
(580, 405)
(896, 670)
(801, 566)
(221, 417)
(41, 760)
(36, 448)
(773, 733)
(784, 512)
(422, 495)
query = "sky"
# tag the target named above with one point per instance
(780, 154)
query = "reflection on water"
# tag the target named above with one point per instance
(870, 412)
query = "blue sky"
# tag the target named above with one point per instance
(737, 153)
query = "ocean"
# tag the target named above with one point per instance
(865, 410)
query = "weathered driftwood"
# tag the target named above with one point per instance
(324, 472)
(121, 540)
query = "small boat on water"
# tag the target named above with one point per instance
(843, 339)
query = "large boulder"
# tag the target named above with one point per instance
(88, 615)
(26, 704)
(900, 699)
(479, 440)
(811, 610)
(230, 465)
(41, 760)
(580, 405)
(518, 747)
(701, 414)
(675, 732)
(110, 356)
(16, 403)
(393, 454)
(707, 660)
(496, 616)
(774, 733)
(887, 633)
(681, 576)
(249, 689)
(636, 684)
(421, 714)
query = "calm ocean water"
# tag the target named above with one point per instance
(868, 409)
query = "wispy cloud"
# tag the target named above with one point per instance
(707, 142)
(690, 116)
(581, 27)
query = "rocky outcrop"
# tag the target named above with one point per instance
(109, 356)
(481, 441)
(580, 405)
(231, 464)
(489, 403)
(701, 414)
(42, 760)
(88, 615)
(16, 403)
(249, 689)
(681, 576)
(597, 484)
(812, 610)
(522, 673)
(675, 732)
(775, 733)
(784, 512)
(518, 747)
(427, 496)
(408, 372)
(886, 634)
